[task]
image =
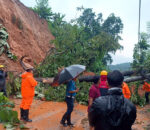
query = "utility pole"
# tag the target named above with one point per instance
(139, 37)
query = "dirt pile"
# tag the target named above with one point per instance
(28, 34)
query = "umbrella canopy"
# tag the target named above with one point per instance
(70, 72)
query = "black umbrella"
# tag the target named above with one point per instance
(70, 72)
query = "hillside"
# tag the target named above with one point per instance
(121, 67)
(28, 34)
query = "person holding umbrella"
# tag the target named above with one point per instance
(70, 97)
(69, 75)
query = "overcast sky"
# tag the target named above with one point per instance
(127, 10)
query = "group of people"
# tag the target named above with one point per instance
(108, 98)
(109, 105)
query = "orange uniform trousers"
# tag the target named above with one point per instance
(26, 102)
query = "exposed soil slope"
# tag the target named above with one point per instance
(28, 34)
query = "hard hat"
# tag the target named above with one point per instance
(2, 66)
(104, 72)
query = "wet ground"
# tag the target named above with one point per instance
(47, 116)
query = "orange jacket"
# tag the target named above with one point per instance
(28, 84)
(126, 91)
(146, 87)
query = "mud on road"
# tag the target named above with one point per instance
(47, 115)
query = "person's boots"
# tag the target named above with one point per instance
(26, 115)
(69, 121)
(63, 120)
(21, 114)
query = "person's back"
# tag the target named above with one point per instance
(113, 111)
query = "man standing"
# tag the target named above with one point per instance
(28, 84)
(113, 111)
(94, 93)
(70, 97)
(3, 76)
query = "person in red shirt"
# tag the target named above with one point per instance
(94, 93)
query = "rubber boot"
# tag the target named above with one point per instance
(63, 120)
(26, 115)
(69, 121)
(21, 114)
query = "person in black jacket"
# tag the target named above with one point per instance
(113, 111)
(3, 76)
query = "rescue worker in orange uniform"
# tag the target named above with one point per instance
(126, 91)
(146, 87)
(28, 84)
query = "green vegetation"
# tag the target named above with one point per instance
(86, 40)
(42, 9)
(7, 115)
(135, 97)
(141, 62)
(4, 46)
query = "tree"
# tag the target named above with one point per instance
(42, 9)
(141, 54)
(86, 40)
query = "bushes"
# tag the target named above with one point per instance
(59, 93)
(7, 115)
(135, 97)
(13, 84)
(17, 21)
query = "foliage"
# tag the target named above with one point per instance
(141, 61)
(135, 97)
(13, 84)
(4, 46)
(7, 115)
(85, 40)
(141, 54)
(57, 93)
(83, 94)
(42, 9)
(19, 24)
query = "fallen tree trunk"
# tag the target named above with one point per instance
(91, 79)
(129, 73)
(136, 78)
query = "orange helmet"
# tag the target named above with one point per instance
(104, 72)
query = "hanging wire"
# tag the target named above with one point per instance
(139, 35)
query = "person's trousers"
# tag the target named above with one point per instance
(26, 102)
(3, 89)
(70, 106)
(147, 96)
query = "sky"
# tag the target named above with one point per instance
(127, 10)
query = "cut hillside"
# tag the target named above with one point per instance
(28, 34)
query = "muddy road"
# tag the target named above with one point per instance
(47, 116)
